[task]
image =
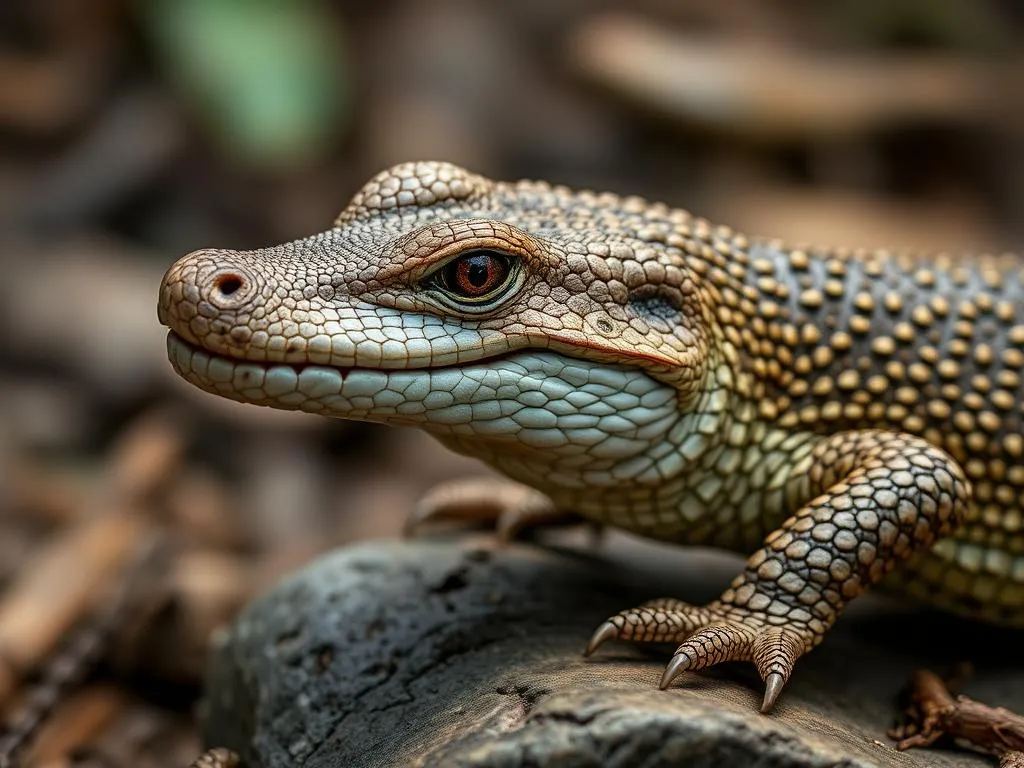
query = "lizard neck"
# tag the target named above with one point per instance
(669, 472)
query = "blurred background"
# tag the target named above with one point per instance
(132, 132)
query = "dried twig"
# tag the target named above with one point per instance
(78, 656)
(934, 713)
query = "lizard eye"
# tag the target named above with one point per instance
(476, 278)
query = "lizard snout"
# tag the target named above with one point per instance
(204, 292)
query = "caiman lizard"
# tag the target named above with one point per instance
(841, 414)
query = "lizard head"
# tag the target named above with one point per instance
(505, 318)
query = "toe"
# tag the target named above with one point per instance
(650, 623)
(708, 646)
(775, 654)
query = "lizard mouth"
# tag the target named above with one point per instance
(375, 394)
(360, 393)
(180, 348)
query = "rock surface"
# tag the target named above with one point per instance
(468, 654)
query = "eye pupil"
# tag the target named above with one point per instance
(477, 273)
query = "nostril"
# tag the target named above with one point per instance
(228, 284)
(227, 288)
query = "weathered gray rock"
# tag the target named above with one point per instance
(468, 654)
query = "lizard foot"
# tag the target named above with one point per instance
(713, 634)
(509, 507)
(876, 497)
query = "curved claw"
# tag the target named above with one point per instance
(772, 689)
(676, 666)
(604, 633)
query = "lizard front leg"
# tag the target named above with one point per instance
(876, 498)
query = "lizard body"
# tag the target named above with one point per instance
(837, 413)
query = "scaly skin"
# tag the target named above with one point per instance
(838, 413)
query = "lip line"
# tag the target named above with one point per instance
(264, 364)
(343, 370)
